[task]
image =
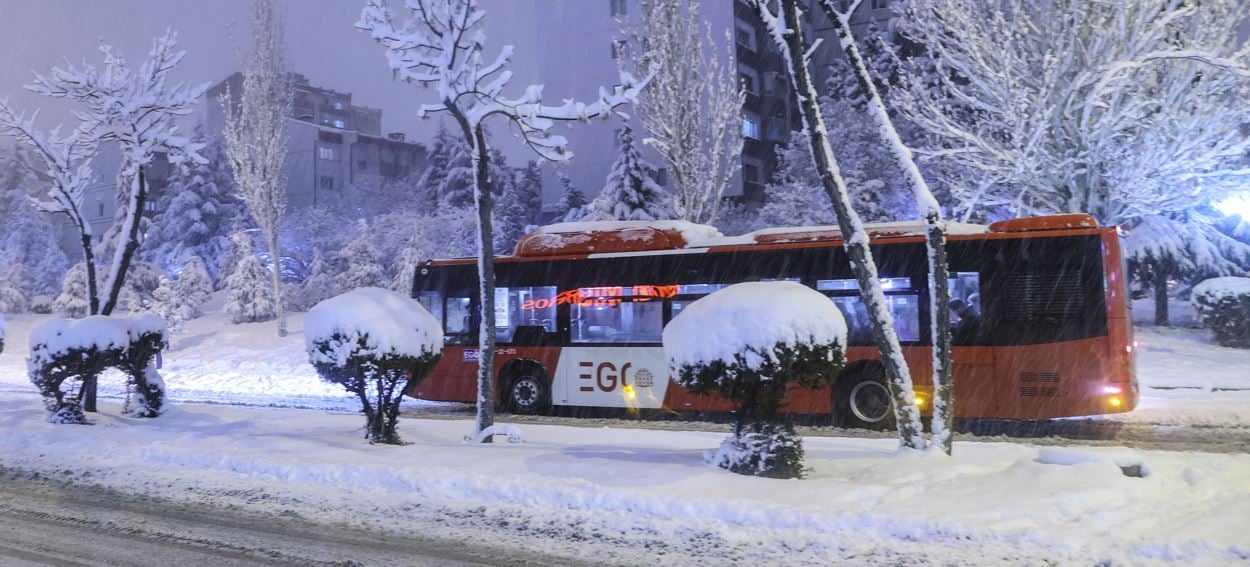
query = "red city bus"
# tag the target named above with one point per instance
(1041, 326)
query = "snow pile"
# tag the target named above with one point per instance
(694, 234)
(389, 323)
(750, 319)
(1224, 307)
(1216, 289)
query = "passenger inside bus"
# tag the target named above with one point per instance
(964, 322)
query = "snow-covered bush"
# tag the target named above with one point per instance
(373, 342)
(66, 354)
(749, 342)
(73, 301)
(251, 298)
(1223, 304)
(12, 298)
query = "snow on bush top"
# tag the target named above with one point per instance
(59, 336)
(147, 324)
(692, 233)
(1217, 288)
(393, 324)
(751, 318)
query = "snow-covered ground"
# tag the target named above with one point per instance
(639, 497)
(624, 495)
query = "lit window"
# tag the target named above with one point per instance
(338, 104)
(517, 307)
(327, 153)
(750, 128)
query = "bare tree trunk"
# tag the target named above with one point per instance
(275, 257)
(1161, 294)
(935, 233)
(126, 252)
(854, 236)
(88, 254)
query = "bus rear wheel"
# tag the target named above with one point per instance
(862, 400)
(529, 395)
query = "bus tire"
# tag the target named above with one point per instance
(528, 394)
(862, 400)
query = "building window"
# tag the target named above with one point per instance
(338, 105)
(362, 164)
(327, 152)
(340, 124)
(661, 176)
(619, 48)
(878, 4)
(618, 7)
(751, 173)
(750, 128)
(748, 82)
(327, 182)
(743, 37)
(100, 208)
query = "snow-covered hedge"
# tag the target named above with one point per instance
(749, 342)
(373, 342)
(1223, 304)
(78, 351)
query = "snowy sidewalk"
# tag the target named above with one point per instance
(617, 489)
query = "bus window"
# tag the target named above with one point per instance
(965, 307)
(887, 284)
(904, 309)
(623, 321)
(432, 301)
(456, 331)
(698, 289)
(524, 307)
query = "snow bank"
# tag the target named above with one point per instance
(750, 318)
(392, 325)
(693, 234)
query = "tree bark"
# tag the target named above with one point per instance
(935, 233)
(275, 257)
(849, 223)
(127, 254)
(1161, 294)
(88, 254)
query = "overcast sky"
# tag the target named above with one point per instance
(323, 45)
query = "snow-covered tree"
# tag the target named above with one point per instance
(66, 163)
(692, 109)
(443, 48)
(631, 192)
(197, 212)
(135, 108)
(1120, 109)
(73, 300)
(12, 297)
(375, 343)
(140, 292)
(28, 238)
(362, 268)
(935, 230)
(321, 283)
(511, 219)
(1185, 245)
(572, 201)
(181, 300)
(787, 33)
(256, 140)
(250, 298)
(799, 338)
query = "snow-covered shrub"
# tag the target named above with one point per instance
(373, 342)
(1, 332)
(65, 354)
(251, 298)
(12, 298)
(41, 305)
(1223, 304)
(749, 342)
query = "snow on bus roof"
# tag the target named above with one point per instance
(689, 231)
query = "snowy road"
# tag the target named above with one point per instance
(45, 521)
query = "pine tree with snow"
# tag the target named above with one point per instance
(511, 219)
(28, 237)
(363, 269)
(181, 300)
(321, 283)
(529, 189)
(571, 204)
(250, 298)
(12, 298)
(73, 300)
(197, 212)
(631, 192)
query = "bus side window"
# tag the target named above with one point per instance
(517, 307)
(965, 307)
(904, 306)
(620, 321)
(456, 331)
(432, 301)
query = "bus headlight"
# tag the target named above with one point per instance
(1115, 402)
(630, 393)
(919, 401)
